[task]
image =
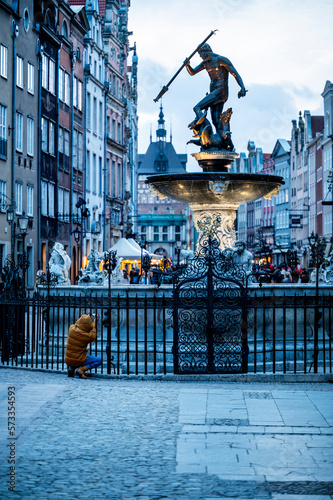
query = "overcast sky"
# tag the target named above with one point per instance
(283, 50)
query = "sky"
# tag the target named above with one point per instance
(282, 49)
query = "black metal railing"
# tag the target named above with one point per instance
(139, 339)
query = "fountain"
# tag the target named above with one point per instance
(215, 193)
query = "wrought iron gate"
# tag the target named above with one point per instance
(210, 313)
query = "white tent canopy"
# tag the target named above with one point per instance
(136, 245)
(126, 250)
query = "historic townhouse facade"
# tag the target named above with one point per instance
(18, 131)
(281, 157)
(115, 39)
(306, 186)
(327, 146)
(94, 139)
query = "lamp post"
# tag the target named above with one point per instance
(143, 245)
(22, 223)
(110, 263)
(81, 204)
(317, 251)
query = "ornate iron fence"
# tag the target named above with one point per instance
(139, 337)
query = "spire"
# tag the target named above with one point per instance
(161, 132)
(170, 132)
(151, 133)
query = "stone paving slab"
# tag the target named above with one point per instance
(152, 439)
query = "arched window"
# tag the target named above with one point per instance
(78, 53)
(64, 29)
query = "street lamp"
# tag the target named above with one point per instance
(22, 223)
(317, 251)
(77, 235)
(81, 204)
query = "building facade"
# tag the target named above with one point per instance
(18, 132)
(282, 203)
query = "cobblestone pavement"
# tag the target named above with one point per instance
(121, 439)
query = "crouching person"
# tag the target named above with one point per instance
(79, 336)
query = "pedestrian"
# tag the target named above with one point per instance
(287, 277)
(79, 336)
(126, 277)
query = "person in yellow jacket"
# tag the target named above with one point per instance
(79, 336)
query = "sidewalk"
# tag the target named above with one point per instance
(126, 439)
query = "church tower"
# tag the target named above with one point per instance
(162, 222)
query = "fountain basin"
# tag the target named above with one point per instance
(216, 188)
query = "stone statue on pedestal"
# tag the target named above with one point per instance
(92, 275)
(242, 257)
(60, 264)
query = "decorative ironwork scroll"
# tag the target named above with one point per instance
(210, 310)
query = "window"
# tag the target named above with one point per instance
(47, 198)
(75, 149)
(61, 140)
(64, 29)
(156, 233)
(101, 119)
(48, 73)
(63, 204)
(3, 196)
(30, 136)
(3, 136)
(119, 177)
(143, 233)
(88, 175)
(79, 95)
(113, 175)
(88, 111)
(19, 72)
(18, 197)
(3, 61)
(26, 20)
(108, 178)
(94, 173)
(113, 134)
(80, 151)
(19, 131)
(63, 146)
(177, 233)
(100, 178)
(165, 233)
(48, 145)
(31, 73)
(119, 132)
(30, 201)
(64, 86)
(95, 115)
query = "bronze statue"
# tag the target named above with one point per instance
(218, 69)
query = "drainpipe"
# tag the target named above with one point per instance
(105, 92)
(39, 153)
(71, 171)
(13, 129)
(57, 143)
(86, 76)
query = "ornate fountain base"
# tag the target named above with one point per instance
(222, 217)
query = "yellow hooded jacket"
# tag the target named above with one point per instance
(79, 336)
